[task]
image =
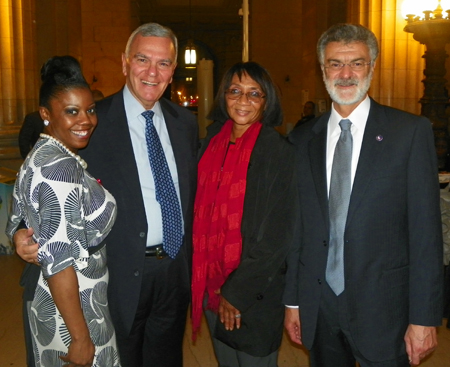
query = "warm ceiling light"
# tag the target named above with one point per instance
(445, 5)
(190, 55)
(417, 7)
(430, 25)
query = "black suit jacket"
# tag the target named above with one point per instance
(110, 159)
(255, 288)
(393, 235)
(29, 133)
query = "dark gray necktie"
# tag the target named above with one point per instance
(339, 198)
(166, 194)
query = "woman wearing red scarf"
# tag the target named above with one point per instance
(243, 221)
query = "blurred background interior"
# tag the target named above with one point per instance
(412, 72)
(280, 35)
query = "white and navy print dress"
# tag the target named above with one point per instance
(70, 213)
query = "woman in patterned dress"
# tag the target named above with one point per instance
(70, 214)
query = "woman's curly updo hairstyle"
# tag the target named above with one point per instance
(60, 74)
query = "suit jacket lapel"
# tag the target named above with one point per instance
(317, 152)
(123, 147)
(375, 132)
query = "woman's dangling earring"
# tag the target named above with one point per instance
(46, 122)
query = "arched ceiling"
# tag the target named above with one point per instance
(200, 13)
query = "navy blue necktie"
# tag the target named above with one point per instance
(339, 198)
(166, 194)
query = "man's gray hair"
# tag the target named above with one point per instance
(347, 33)
(152, 30)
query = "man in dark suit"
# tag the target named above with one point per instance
(29, 133)
(148, 293)
(309, 110)
(365, 277)
(149, 290)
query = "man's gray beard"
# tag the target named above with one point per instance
(361, 88)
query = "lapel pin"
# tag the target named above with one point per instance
(379, 137)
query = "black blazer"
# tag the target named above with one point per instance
(110, 159)
(29, 133)
(255, 288)
(393, 235)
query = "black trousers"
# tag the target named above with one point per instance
(333, 344)
(28, 281)
(156, 337)
(447, 294)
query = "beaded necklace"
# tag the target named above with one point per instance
(64, 148)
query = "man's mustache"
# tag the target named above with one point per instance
(346, 82)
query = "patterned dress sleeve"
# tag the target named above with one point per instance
(56, 193)
(17, 214)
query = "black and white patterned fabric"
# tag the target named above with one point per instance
(69, 212)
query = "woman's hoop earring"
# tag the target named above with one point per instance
(46, 122)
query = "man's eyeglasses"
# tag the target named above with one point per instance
(355, 65)
(253, 96)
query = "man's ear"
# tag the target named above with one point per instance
(124, 64)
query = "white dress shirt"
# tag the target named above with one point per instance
(359, 119)
(136, 124)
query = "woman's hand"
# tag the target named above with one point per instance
(229, 315)
(81, 353)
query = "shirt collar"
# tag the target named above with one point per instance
(134, 108)
(358, 117)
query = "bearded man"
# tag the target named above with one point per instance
(365, 274)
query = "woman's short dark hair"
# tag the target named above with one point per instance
(60, 74)
(272, 115)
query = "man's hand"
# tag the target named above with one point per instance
(292, 324)
(25, 247)
(229, 315)
(420, 342)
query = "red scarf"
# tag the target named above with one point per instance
(218, 208)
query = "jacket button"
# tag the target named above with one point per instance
(136, 273)
(259, 296)
(142, 234)
(319, 281)
(324, 243)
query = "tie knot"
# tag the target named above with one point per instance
(345, 124)
(148, 115)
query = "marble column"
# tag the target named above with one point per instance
(31, 31)
(17, 71)
(205, 94)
